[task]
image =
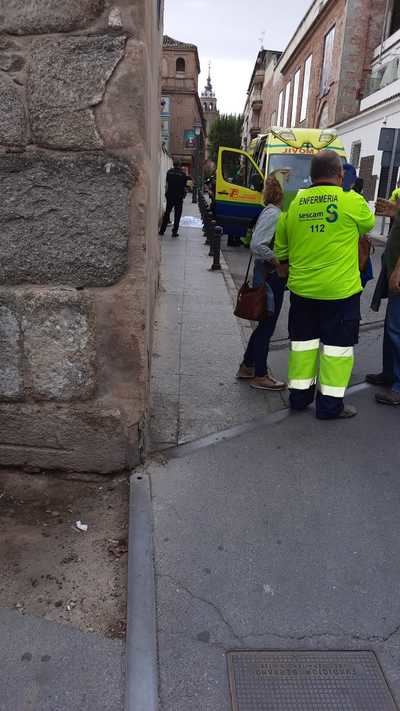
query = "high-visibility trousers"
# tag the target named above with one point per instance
(323, 335)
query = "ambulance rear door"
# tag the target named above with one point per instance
(239, 186)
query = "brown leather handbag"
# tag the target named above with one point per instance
(251, 302)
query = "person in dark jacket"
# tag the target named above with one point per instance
(175, 194)
(389, 287)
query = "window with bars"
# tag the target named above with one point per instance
(295, 98)
(327, 63)
(280, 107)
(180, 65)
(306, 88)
(355, 153)
(287, 101)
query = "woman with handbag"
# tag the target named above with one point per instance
(254, 366)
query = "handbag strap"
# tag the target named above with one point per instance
(246, 279)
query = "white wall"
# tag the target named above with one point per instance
(366, 128)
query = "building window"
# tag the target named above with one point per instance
(327, 63)
(273, 119)
(295, 98)
(306, 88)
(280, 106)
(180, 65)
(355, 153)
(395, 18)
(287, 100)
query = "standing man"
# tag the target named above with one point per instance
(175, 194)
(318, 238)
(390, 376)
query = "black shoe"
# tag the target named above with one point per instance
(378, 379)
(161, 234)
(175, 234)
(390, 398)
(347, 412)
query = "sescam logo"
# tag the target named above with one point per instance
(329, 215)
(332, 211)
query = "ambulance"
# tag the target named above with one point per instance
(283, 152)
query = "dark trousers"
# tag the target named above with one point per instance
(391, 342)
(258, 347)
(177, 204)
(334, 326)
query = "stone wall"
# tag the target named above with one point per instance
(79, 151)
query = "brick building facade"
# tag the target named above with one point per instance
(321, 76)
(180, 69)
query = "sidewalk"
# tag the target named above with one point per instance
(198, 348)
(274, 533)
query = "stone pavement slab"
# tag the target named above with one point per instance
(50, 667)
(284, 537)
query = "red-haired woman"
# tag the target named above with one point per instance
(255, 362)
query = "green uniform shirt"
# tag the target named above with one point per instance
(319, 237)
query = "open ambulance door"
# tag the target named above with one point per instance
(238, 194)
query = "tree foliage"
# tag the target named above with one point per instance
(226, 131)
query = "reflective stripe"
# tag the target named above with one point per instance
(305, 345)
(338, 352)
(330, 390)
(302, 384)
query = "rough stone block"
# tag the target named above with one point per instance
(13, 123)
(27, 17)
(11, 381)
(59, 345)
(68, 76)
(121, 117)
(63, 220)
(73, 438)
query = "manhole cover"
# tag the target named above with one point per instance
(308, 681)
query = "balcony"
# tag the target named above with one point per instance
(259, 76)
(256, 101)
(383, 75)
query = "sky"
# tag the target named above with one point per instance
(229, 33)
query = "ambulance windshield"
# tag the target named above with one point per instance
(295, 169)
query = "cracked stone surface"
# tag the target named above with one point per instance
(67, 79)
(11, 381)
(69, 222)
(13, 123)
(58, 328)
(277, 539)
(41, 16)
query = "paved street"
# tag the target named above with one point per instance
(276, 534)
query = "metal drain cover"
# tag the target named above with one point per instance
(308, 681)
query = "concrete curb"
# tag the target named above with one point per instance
(141, 644)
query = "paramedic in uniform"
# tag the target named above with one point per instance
(318, 239)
